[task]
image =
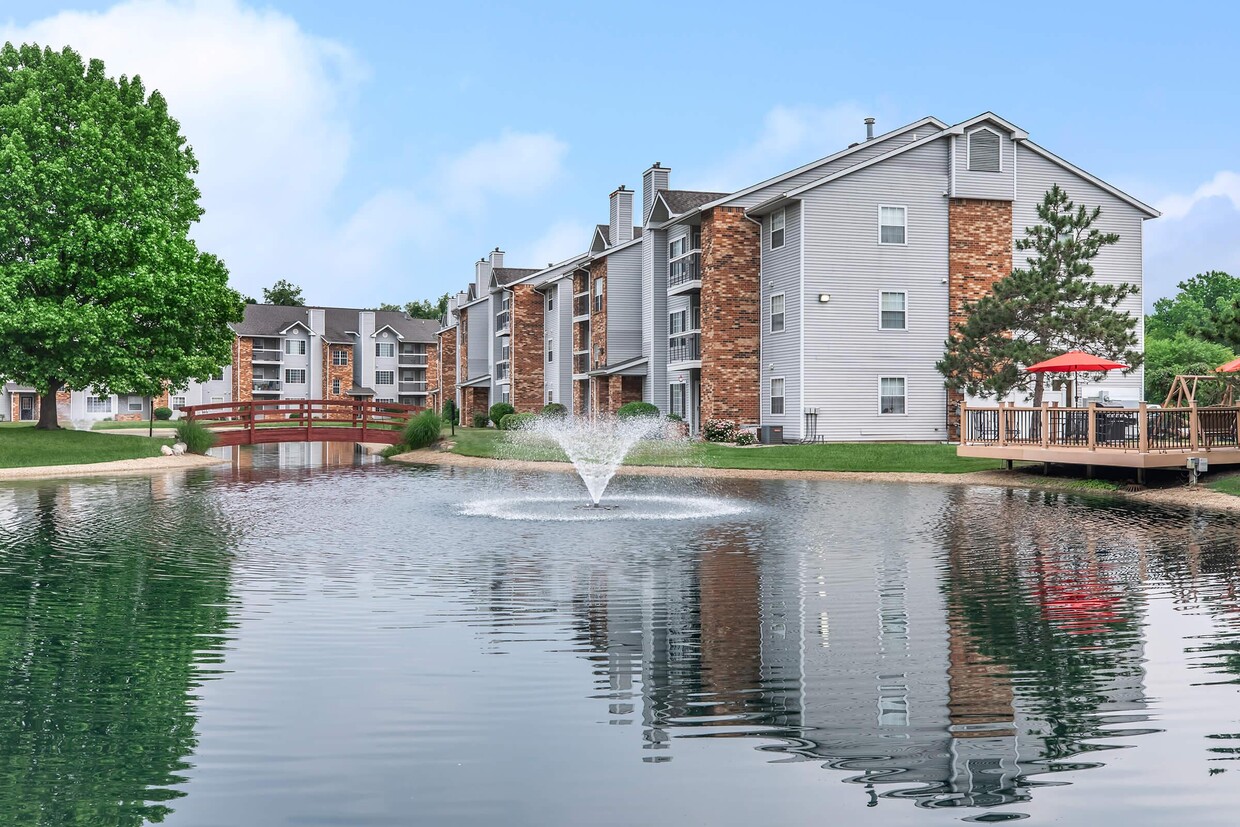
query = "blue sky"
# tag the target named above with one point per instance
(370, 151)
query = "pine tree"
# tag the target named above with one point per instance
(1050, 306)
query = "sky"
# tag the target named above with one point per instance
(371, 151)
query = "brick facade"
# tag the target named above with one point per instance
(474, 400)
(979, 253)
(731, 315)
(528, 355)
(243, 369)
(432, 375)
(447, 360)
(598, 318)
(332, 371)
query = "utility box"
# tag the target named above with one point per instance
(771, 434)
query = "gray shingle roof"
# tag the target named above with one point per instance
(681, 201)
(270, 319)
(605, 230)
(507, 275)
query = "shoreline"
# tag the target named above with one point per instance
(1181, 497)
(142, 465)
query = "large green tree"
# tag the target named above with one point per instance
(1198, 298)
(1166, 358)
(100, 284)
(285, 293)
(426, 309)
(1049, 306)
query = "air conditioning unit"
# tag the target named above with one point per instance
(771, 434)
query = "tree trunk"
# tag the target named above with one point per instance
(48, 420)
(1037, 390)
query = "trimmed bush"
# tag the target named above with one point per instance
(635, 409)
(500, 410)
(479, 419)
(746, 438)
(198, 438)
(554, 410)
(163, 413)
(422, 429)
(516, 421)
(719, 430)
(450, 413)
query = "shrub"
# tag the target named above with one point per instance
(635, 409)
(163, 413)
(422, 429)
(500, 410)
(480, 419)
(675, 417)
(198, 438)
(746, 437)
(554, 410)
(450, 413)
(719, 430)
(517, 421)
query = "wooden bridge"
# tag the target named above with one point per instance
(255, 422)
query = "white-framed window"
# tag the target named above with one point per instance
(550, 301)
(550, 350)
(550, 396)
(295, 376)
(385, 349)
(178, 402)
(505, 396)
(134, 404)
(777, 395)
(777, 313)
(892, 310)
(384, 399)
(777, 229)
(295, 347)
(217, 399)
(340, 357)
(335, 387)
(892, 395)
(677, 399)
(98, 404)
(677, 322)
(385, 377)
(892, 225)
(984, 151)
(599, 286)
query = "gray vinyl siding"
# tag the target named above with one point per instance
(654, 315)
(299, 390)
(781, 352)
(624, 305)
(479, 333)
(1115, 264)
(992, 185)
(557, 326)
(845, 352)
(390, 363)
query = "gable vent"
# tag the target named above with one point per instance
(983, 151)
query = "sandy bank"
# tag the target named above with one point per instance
(144, 465)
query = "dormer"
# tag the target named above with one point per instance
(983, 151)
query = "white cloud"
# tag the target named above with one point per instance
(564, 239)
(267, 107)
(790, 136)
(1196, 232)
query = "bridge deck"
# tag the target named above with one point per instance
(255, 422)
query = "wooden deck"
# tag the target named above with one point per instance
(303, 420)
(1140, 437)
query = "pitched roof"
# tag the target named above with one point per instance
(269, 319)
(507, 275)
(339, 322)
(604, 232)
(681, 201)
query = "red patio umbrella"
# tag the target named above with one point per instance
(1074, 362)
(1231, 367)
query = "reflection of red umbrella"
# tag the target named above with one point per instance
(1075, 361)
(1231, 367)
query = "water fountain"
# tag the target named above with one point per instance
(596, 448)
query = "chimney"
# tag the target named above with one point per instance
(497, 258)
(654, 179)
(621, 225)
(482, 275)
(869, 129)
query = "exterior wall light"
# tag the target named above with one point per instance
(823, 298)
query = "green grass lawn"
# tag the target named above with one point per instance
(880, 456)
(1227, 485)
(111, 425)
(21, 446)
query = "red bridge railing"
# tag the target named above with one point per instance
(254, 422)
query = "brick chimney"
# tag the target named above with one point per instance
(621, 224)
(658, 177)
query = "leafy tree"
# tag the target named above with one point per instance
(1198, 297)
(285, 293)
(1050, 306)
(100, 284)
(1166, 358)
(392, 307)
(424, 309)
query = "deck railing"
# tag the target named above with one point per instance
(302, 420)
(1142, 429)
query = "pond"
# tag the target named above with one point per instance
(305, 637)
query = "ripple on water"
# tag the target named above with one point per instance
(628, 507)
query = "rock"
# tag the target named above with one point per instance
(178, 448)
(166, 450)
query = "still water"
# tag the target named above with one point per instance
(307, 638)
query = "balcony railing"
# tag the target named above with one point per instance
(581, 362)
(413, 387)
(581, 305)
(265, 355)
(684, 348)
(503, 320)
(413, 359)
(685, 269)
(502, 371)
(267, 385)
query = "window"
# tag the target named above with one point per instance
(676, 322)
(550, 397)
(777, 230)
(98, 404)
(676, 249)
(777, 396)
(295, 347)
(295, 377)
(891, 395)
(340, 357)
(335, 387)
(598, 295)
(385, 349)
(984, 154)
(892, 310)
(550, 302)
(384, 399)
(135, 404)
(217, 399)
(892, 223)
(550, 350)
(777, 313)
(677, 400)
(695, 238)
(385, 377)
(219, 377)
(504, 396)
(178, 402)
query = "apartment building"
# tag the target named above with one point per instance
(817, 301)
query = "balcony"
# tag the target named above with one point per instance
(502, 371)
(685, 273)
(581, 363)
(267, 385)
(503, 321)
(413, 360)
(684, 348)
(581, 305)
(267, 356)
(413, 387)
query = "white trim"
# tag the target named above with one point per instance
(882, 329)
(903, 379)
(375, 335)
(770, 395)
(901, 207)
(782, 212)
(798, 422)
(968, 149)
(770, 313)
